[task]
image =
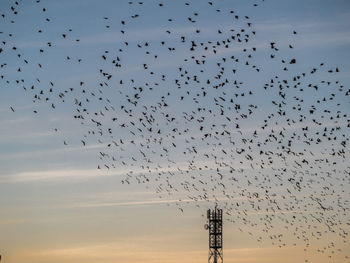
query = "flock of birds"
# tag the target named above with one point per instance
(182, 113)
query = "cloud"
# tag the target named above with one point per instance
(89, 173)
(49, 175)
(12, 221)
(133, 203)
(154, 249)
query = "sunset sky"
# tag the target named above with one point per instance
(56, 206)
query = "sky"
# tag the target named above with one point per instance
(55, 205)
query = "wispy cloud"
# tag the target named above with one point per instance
(119, 250)
(133, 203)
(11, 221)
(48, 175)
(91, 173)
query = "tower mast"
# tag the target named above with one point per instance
(214, 226)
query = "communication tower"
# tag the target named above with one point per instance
(214, 226)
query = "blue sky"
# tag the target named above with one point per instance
(55, 205)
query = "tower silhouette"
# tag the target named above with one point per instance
(214, 226)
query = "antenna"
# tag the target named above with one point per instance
(214, 226)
